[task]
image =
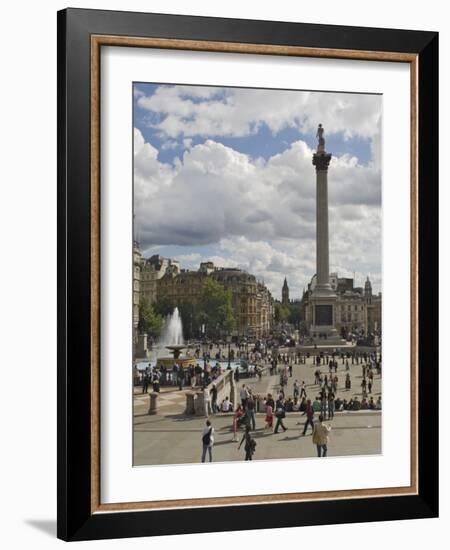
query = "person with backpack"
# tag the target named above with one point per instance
(207, 440)
(250, 444)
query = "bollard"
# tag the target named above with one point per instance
(153, 403)
(261, 405)
(190, 405)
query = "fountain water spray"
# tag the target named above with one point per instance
(173, 330)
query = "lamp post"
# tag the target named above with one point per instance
(229, 350)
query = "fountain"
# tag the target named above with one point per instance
(172, 340)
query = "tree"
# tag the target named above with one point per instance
(281, 312)
(295, 316)
(215, 309)
(152, 322)
(164, 306)
(189, 319)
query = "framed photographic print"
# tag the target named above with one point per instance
(247, 274)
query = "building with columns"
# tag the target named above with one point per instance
(357, 310)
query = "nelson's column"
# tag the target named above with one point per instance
(323, 297)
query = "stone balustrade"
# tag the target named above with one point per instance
(225, 386)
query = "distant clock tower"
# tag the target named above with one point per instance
(285, 293)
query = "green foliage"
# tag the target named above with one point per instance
(290, 313)
(151, 320)
(281, 313)
(164, 306)
(295, 316)
(212, 309)
(215, 310)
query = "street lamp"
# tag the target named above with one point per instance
(229, 350)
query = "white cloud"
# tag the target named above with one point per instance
(169, 144)
(206, 111)
(255, 214)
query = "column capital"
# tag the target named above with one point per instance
(321, 160)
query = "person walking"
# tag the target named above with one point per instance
(317, 377)
(243, 394)
(269, 417)
(280, 413)
(155, 382)
(348, 382)
(251, 412)
(331, 406)
(320, 437)
(214, 406)
(309, 413)
(207, 440)
(334, 384)
(239, 413)
(270, 401)
(323, 404)
(174, 374)
(145, 383)
(250, 444)
(180, 378)
(207, 401)
(296, 389)
(303, 389)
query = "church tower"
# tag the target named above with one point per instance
(285, 293)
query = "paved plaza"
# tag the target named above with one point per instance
(171, 437)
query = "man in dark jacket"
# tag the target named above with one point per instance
(309, 412)
(280, 413)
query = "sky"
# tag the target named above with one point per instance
(226, 175)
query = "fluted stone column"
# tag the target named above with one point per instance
(321, 162)
(323, 298)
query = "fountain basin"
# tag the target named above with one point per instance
(182, 361)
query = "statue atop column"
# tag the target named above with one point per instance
(321, 159)
(319, 135)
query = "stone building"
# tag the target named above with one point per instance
(137, 259)
(358, 311)
(182, 286)
(251, 301)
(264, 310)
(374, 310)
(152, 269)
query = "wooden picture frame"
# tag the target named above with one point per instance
(81, 35)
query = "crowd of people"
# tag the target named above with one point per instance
(179, 376)
(323, 406)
